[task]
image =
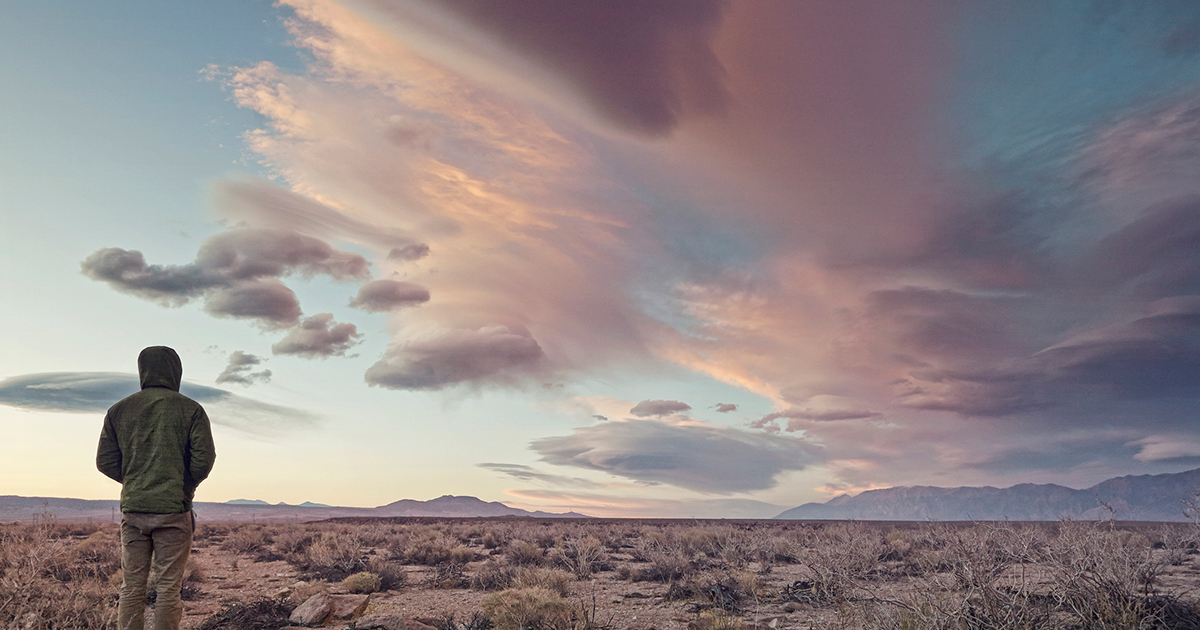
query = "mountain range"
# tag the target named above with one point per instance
(1132, 498)
(25, 509)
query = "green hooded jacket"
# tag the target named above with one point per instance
(157, 443)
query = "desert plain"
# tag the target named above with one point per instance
(593, 574)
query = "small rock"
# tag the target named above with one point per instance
(380, 622)
(791, 607)
(349, 606)
(314, 610)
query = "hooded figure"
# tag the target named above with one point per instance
(158, 445)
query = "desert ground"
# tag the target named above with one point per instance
(591, 574)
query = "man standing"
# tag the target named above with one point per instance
(157, 443)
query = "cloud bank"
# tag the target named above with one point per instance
(939, 240)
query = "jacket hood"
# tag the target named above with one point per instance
(159, 366)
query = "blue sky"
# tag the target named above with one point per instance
(759, 251)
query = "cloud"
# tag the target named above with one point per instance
(798, 418)
(492, 354)
(127, 271)
(1169, 448)
(235, 271)
(268, 301)
(1151, 357)
(95, 392)
(726, 407)
(386, 295)
(717, 460)
(528, 473)
(240, 370)
(652, 408)
(642, 66)
(968, 235)
(263, 204)
(318, 336)
(409, 252)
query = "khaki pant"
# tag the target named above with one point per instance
(153, 546)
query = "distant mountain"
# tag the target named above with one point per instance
(452, 506)
(1132, 498)
(14, 508)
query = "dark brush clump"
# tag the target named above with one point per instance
(260, 614)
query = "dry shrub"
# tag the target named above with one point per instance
(47, 583)
(363, 582)
(447, 575)
(436, 551)
(392, 576)
(553, 580)
(723, 591)
(581, 556)
(716, 620)
(292, 540)
(491, 540)
(246, 540)
(207, 531)
(192, 573)
(528, 608)
(523, 553)
(1106, 577)
(494, 575)
(664, 566)
(334, 556)
(260, 614)
(98, 555)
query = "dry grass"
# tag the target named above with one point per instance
(546, 573)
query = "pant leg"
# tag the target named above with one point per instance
(136, 549)
(172, 546)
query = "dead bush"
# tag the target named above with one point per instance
(392, 576)
(553, 580)
(581, 556)
(260, 614)
(334, 556)
(494, 575)
(1103, 576)
(523, 553)
(246, 540)
(528, 608)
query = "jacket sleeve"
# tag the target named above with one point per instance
(201, 452)
(108, 454)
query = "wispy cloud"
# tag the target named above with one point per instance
(95, 392)
(529, 473)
